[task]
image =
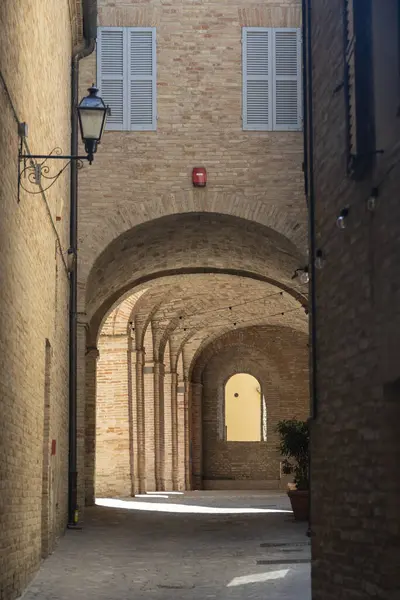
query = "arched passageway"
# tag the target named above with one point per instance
(172, 305)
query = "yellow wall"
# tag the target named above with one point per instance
(243, 413)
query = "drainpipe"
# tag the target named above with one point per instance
(89, 33)
(309, 161)
(310, 192)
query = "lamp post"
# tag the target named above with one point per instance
(92, 114)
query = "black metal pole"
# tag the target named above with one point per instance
(73, 330)
(310, 191)
(73, 297)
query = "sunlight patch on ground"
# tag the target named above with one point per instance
(258, 578)
(182, 508)
(151, 496)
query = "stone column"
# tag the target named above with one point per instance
(81, 411)
(141, 421)
(176, 482)
(92, 355)
(182, 436)
(132, 411)
(196, 435)
(150, 436)
(188, 435)
(168, 436)
(159, 424)
(113, 470)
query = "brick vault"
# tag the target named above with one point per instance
(174, 307)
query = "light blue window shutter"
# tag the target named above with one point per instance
(257, 78)
(287, 79)
(111, 74)
(142, 79)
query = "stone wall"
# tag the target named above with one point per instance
(278, 358)
(35, 53)
(355, 443)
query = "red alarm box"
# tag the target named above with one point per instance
(199, 177)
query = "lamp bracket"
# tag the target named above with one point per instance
(33, 169)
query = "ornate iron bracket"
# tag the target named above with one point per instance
(33, 168)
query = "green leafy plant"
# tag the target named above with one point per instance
(294, 447)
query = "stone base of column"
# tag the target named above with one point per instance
(169, 486)
(152, 487)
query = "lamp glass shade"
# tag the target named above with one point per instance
(92, 116)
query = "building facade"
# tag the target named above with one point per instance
(37, 42)
(166, 268)
(354, 178)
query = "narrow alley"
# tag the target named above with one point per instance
(199, 299)
(194, 546)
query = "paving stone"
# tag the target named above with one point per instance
(126, 553)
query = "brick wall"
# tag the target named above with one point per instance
(34, 289)
(278, 358)
(254, 175)
(355, 443)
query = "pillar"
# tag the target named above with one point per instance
(141, 421)
(113, 468)
(187, 434)
(168, 433)
(158, 399)
(176, 482)
(81, 413)
(92, 355)
(196, 435)
(150, 419)
(132, 412)
(182, 453)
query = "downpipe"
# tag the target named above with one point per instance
(90, 28)
(310, 195)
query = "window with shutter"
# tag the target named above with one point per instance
(287, 79)
(358, 80)
(111, 68)
(142, 79)
(126, 74)
(257, 79)
(272, 79)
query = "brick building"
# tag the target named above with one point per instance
(37, 42)
(180, 288)
(354, 175)
(169, 273)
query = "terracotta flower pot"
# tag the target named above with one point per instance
(300, 504)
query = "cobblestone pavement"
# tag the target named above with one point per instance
(228, 546)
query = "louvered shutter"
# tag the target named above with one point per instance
(287, 79)
(111, 70)
(142, 83)
(350, 77)
(359, 87)
(257, 78)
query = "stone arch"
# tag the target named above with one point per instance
(189, 243)
(289, 224)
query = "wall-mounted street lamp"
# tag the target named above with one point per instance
(92, 114)
(302, 274)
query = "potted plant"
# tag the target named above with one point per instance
(294, 447)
